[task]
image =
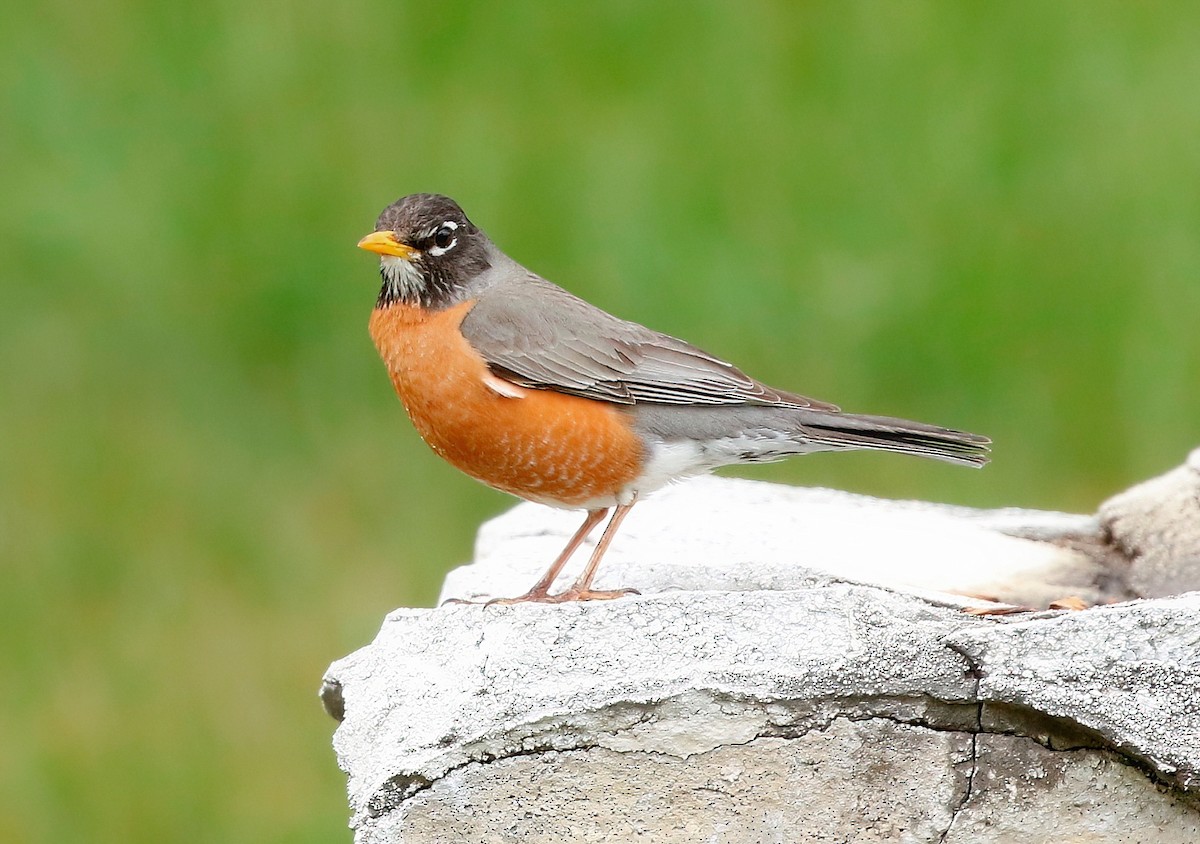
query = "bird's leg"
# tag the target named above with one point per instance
(541, 589)
(581, 589)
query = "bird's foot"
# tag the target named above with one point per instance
(536, 595)
(574, 594)
(533, 596)
(542, 596)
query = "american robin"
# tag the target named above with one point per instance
(537, 393)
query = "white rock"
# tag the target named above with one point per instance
(760, 690)
(731, 534)
(1156, 525)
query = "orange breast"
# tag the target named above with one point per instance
(537, 444)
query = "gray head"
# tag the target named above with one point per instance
(429, 252)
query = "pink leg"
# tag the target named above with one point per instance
(582, 590)
(541, 590)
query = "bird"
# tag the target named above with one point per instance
(534, 391)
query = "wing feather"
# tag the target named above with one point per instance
(537, 335)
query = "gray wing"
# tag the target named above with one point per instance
(537, 335)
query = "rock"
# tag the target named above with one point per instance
(692, 714)
(762, 690)
(1156, 525)
(1023, 792)
(1129, 673)
(715, 533)
(765, 790)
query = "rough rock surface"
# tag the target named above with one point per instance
(1156, 525)
(784, 703)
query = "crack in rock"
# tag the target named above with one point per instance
(708, 673)
(969, 789)
(975, 672)
(816, 717)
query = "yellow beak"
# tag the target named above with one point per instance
(385, 243)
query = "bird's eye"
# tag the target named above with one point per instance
(443, 238)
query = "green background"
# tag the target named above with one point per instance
(984, 216)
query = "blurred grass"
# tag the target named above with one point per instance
(983, 216)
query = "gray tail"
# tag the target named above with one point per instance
(882, 433)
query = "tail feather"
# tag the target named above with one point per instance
(883, 433)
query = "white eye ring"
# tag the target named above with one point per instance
(444, 228)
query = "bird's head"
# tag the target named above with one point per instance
(429, 252)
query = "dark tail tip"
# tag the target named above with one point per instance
(883, 433)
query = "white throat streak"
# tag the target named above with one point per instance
(401, 277)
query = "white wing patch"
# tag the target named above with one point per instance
(503, 388)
